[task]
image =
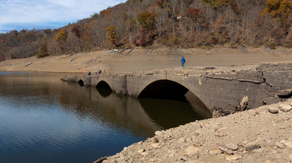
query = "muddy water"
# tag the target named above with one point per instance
(45, 120)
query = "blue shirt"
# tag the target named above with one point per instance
(183, 59)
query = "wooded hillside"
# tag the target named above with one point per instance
(185, 23)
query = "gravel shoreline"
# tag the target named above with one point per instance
(262, 135)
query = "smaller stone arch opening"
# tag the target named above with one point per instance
(81, 83)
(104, 89)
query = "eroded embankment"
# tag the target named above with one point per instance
(262, 135)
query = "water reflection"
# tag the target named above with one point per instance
(168, 113)
(104, 91)
(45, 120)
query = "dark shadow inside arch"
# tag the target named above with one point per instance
(167, 89)
(103, 89)
(81, 83)
(169, 113)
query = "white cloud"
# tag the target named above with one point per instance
(41, 13)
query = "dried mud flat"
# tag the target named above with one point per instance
(262, 135)
(133, 60)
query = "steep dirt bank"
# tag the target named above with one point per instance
(147, 59)
(262, 135)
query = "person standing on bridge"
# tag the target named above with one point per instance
(183, 60)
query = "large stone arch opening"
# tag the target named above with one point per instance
(167, 89)
(164, 89)
(104, 89)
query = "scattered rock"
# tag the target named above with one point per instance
(244, 101)
(191, 151)
(287, 143)
(141, 150)
(232, 157)
(220, 134)
(225, 150)
(273, 109)
(285, 108)
(279, 145)
(152, 160)
(154, 140)
(252, 147)
(183, 159)
(158, 133)
(215, 152)
(154, 145)
(232, 146)
(243, 144)
(181, 140)
(197, 144)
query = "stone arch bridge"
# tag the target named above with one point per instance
(206, 89)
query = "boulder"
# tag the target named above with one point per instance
(273, 109)
(232, 146)
(285, 108)
(244, 101)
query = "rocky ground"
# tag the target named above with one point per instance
(262, 135)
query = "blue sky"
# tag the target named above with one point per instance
(42, 14)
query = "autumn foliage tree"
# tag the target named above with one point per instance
(76, 30)
(280, 8)
(47, 31)
(43, 51)
(61, 39)
(194, 13)
(160, 3)
(142, 37)
(61, 36)
(111, 35)
(131, 24)
(146, 20)
(218, 3)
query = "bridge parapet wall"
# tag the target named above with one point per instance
(277, 76)
(223, 88)
(137, 82)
